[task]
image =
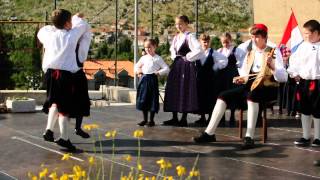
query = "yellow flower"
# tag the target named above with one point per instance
(164, 164)
(66, 156)
(32, 177)
(124, 178)
(53, 176)
(194, 173)
(89, 127)
(91, 160)
(111, 134)
(141, 177)
(181, 170)
(64, 177)
(77, 170)
(138, 133)
(170, 178)
(128, 158)
(43, 173)
(139, 167)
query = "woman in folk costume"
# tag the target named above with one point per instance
(149, 67)
(259, 76)
(181, 93)
(304, 68)
(211, 62)
(226, 75)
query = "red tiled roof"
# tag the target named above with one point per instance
(90, 67)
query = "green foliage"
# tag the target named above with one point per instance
(215, 43)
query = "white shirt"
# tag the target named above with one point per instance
(280, 74)
(84, 41)
(226, 51)
(305, 62)
(60, 46)
(220, 61)
(152, 64)
(194, 45)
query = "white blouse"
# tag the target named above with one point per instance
(220, 61)
(84, 41)
(152, 64)
(194, 45)
(305, 62)
(60, 45)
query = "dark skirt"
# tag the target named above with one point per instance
(80, 95)
(310, 97)
(206, 90)
(59, 91)
(290, 97)
(148, 93)
(181, 93)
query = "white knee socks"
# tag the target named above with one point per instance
(316, 128)
(217, 114)
(252, 116)
(306, 125)
(63, 124)
(52, 117)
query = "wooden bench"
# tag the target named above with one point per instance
(263, 106)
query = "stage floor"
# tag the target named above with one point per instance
(23, 150)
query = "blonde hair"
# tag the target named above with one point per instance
(204, 37)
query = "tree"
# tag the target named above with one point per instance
(5, 64)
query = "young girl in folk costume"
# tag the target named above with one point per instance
(225, 80)
(148, 68)
(81, 99)
(266, 70)
(304, 67)
(59, 62)
(211, 62)
(181, 93)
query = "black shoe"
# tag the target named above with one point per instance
(171, 122)
(302, 142)
(316, 143)
(142, 123)
(150, 124)
(48, 136)
(248, 143)
(82, 133)
(204, 137)
(316, 162)
(66, 143)
(183, 123)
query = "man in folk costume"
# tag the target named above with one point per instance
(260, 73)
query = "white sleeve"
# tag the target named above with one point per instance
(164, 67)
(195, 47)
(280, 74)
(243, 69)
(138, 65)
(294, 62)
(79, 27)
(220, 61)
(172, 50)
(84, 45)
(44, 33)
(240, 52)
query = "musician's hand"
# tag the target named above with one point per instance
(80, 15)
(270, 63)
(140, 74)
(239, 80)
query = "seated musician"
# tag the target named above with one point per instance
(260, 72)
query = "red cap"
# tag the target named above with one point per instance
(261, 26)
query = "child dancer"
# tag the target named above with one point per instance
(210, 63)
(181, 93)
(304, 67)
(59, 62)
(148, 68)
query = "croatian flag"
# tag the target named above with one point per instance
(292, 37)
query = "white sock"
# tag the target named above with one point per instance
(316, 124)
(52, 117)
(227, 115)
(217, 114)
(306, 125)
(252, 116)
(63, 124)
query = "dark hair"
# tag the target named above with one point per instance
(153, 42)
(312, 25)
(184, 18)
(258, 31)
(204, 37)
(59, 18)
(226, 35)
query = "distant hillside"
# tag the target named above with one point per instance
(214, 15)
